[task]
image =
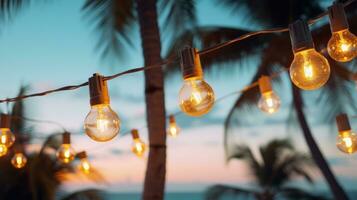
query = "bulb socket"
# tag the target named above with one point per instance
(5, 121)
(337, 16)
(190, 63)
(82, 155)
(172, 119)
(264, 84)
(17, 149)
(300, 36)
(66, 138)
(98, 90)
(343, 123)
(135, 133)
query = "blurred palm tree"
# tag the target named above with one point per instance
(280, 163)
(41, 177)
(274, 53)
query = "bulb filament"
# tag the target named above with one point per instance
(308, 71)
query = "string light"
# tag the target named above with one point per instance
(84, 165)
(102, 123)
(346, 140)
(66, 154)
(173, 129)
(196, 97)
(138, 147)
(342, 46)
(7, 138)
(309, 70)
(19, 160)
(269, 102)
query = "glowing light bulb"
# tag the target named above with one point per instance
(347, 142)
(138, 146)
(173, 129)
(196, 97)
(84, 164)
(19, 160)
(309, 70)
(65, 153)
(269, 102)
(342, 46)
(3, 150)
(7, 138)
(102, 123)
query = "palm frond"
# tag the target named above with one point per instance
(114, 22)
(88, 194)
(277, 13)
(177, 16)
(298, 194)
(9, 8)
(217, 191)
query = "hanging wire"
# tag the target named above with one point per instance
(172, 59)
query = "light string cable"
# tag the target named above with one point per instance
(171, 59)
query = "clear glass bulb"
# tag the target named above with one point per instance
(173, 129)
(309, 70)
(269, 102)
(342, 46)
(65, 153)
(7, 138)
(84, 166)
(138, 147)
(3, 150)
(102, 123)
(196, 97)
(19, 160)
(347, 142)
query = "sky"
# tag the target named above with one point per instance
(51, 44)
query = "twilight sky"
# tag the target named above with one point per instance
(49, 45)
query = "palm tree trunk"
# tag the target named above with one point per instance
(337, 190)
(154, 184)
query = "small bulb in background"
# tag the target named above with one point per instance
(309, 70)
(173, 130)
(102, 123)
(19, 160)
(346, 140)
(3, 150)
(65, 154)
(342, 45)
(269, 102)
(196, 97)
(84, 165)
(138, 146)
(7, 138)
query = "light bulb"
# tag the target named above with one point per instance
(65, 153)
(7, 138)
(196, 97)
(342, 46)
(3, 150)
(347, 142)
(173, 130)
(84, 166)
(102, 123)
(19, 160)
(269, 102)
(138, 147)
(309, 69)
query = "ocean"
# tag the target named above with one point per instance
(184, 196)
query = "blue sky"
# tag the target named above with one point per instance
(49, 45)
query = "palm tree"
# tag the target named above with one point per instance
(42, 175)
(274, 53)
(116, 21)
(279, 164)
